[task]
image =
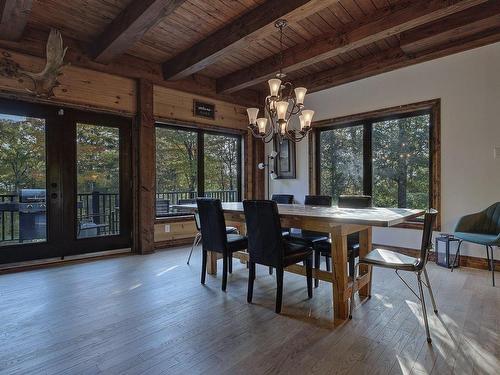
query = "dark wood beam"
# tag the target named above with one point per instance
(379, 25)
(144, 155)
(464, 23)
(33, 43)
(130, 26)
(393, 59)
(257, 23)
(14, 16)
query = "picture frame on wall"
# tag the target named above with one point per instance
(285, 167)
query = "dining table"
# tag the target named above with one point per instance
(339, 223)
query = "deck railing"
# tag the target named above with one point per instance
(99, 213)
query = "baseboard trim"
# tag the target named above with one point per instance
(55, 262)
(465, 260)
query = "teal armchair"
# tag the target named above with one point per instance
(482, 228)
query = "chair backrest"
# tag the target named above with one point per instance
(355, 201)
(162, 207)
(282, 198)
(491, 220)
(429, 220)
(186, 201)
(318, 200)
(265, 242)
(212, 224)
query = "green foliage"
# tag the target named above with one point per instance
(177, 161)
(98, 159)
(22, 153)
(400, 157)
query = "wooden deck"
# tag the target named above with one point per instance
(149, 314)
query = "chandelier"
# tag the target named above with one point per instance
(284, 104)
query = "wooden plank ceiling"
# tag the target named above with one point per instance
(234, 46)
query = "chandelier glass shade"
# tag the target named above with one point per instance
(284, 115)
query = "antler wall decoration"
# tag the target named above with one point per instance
(45, 81)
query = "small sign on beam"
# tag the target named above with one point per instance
(205, 110)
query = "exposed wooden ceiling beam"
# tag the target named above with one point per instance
(459, 25)
(14, 16)
(393, 59)
(257, 23)
(380, 25)
(129, 27)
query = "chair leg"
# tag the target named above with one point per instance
(279, 289)
(317, 261)
(488, 257)
(353, 291)
(270, 270)
(424, 311)
(251, 279)
(230, 265)
(203, 266)
(309, 276)
(351, 265)
(196, 241)
(429, 287)
(327, 260)
(492, 266)
(224, 271)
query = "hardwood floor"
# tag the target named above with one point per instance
(149, 314)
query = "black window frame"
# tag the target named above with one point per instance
(200, 156)
(431, 108)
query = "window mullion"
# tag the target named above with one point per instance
(367, 158)
(201, 163)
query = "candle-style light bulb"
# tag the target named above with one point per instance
(308, 115)
(281, 108)
(302, 122)
(274, 86)
(300, 93)
(261, 123)
(283, 125)
(252, 115)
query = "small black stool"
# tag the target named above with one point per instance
(443, 258)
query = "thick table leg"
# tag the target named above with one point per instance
(340, 281)
(365, 246)
(212, 263)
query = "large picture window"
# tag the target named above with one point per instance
(193, 163)
(391, 154)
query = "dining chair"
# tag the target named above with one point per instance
(197, 238)
(215, 238)
(399, 262)
(267, 246)
(312, 237)
(282, 198)
(481, 228)
(323, 248)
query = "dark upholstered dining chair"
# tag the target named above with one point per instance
(214, 236)
(482, 228)
(267, 246)
(323, 248)
(282, 198)
(197, 238)
(311, 237)
(399, 262)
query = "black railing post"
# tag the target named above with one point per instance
(96, 210)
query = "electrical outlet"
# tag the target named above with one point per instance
(167, 228)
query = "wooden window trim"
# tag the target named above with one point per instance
(433, 106)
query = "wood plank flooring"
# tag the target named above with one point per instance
(150, 315)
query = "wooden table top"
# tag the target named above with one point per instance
(376, 216)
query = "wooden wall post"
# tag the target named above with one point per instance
(144, 157)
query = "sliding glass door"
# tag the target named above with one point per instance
(64, 182)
